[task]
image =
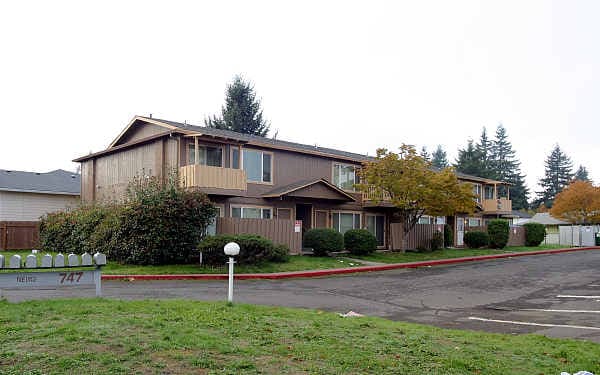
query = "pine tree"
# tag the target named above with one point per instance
(424, 154)
(241, 112)
(469, 160)
(439, 158)
(505, 167)
(484, 151)
(582, 174)
(557, 175)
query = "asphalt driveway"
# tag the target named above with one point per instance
(555, 295)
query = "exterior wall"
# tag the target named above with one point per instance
(137, 132)
(106, 178)
(15, 206)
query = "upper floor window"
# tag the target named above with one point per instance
(207, 155)
(477, 192)
(258, 165)
(344, 176)
(235, 158)
(251, 212)
(488, 192)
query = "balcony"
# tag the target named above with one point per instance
(204, 176)
(497, 205)
(373, 198)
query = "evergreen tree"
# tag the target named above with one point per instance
(506, 167)
(558, 174)
(241, 112)
(439, 158)
(484, 151)
(469, 160)
(424, 154)
(582, 174)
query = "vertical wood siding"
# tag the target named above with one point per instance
(15, 235)
(419, 236)
(277, 230)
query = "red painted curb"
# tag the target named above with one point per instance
(340, 271)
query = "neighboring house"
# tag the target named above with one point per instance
(552, 225)
(26, 196)
(255, 177)
(520, 217)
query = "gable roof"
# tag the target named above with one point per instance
(55, 182)
(546, 219)
(301, 185)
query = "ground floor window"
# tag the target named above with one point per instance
(251, 212)
(474, 221)
(376, 225)
(344, 221)
(211, 229)
(441, 220)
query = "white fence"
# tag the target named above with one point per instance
(27, 273)
(578, 235)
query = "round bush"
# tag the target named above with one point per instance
(360, 241)
(253, 249)
(437, 241)
(534, 234)
(476, 239)
(323, 240)
(498, 232)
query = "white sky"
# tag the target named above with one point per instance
(349, 75)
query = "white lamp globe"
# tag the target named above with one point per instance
(232, 249)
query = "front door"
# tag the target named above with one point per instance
(460, 231)
(304, 213)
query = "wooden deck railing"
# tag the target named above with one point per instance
(497, 205)
(371, 195)
(204, 176)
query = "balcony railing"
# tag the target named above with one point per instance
(371, 195)
(204, 176)
(497, 205)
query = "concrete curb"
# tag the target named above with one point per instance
(341, 271)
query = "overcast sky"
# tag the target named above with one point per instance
(349, 75)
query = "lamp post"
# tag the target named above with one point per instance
(231, 249)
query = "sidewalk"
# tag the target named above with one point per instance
(341, 271)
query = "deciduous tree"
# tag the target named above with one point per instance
(578, 203)
(413, 188)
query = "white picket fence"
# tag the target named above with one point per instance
(31, 278)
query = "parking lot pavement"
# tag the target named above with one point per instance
(554, 295)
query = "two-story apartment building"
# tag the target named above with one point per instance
(254, 177)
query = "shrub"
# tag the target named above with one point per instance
(534, 234)
(476, 239)
(323, 240)
(437, 241)
(498, 232)
(448, 236)
(253, 249)
(360, 241)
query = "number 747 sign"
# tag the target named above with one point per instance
(18, 280)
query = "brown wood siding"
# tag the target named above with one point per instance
(15, 235)
(277, 230)
(139, 131)
(419, 236)
(87, 181)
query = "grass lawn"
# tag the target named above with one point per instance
(179, 337)
(398, 257)
(296, 263)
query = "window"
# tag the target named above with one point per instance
(425, 219)
(344, 176)
(235, 158)
(474, 222)
(375, 225)
(477, 192)
(251, 212)
(441, 220)
(257, 165)
(343, 221)
(488, 192)
(207, 155)
(211, 229)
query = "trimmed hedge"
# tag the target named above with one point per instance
(448, 236)
(476, 239)
(498, 232)
(323, 240)
(253, 249)
(360, 241)
(534, 234)
(437, 241)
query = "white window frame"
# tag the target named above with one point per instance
(354, 166)
(221, 213)
(366, 226)
(474, 218)
(192, 146)
(425, 217)
(360, 221)
(245, 206)
(478, 193)
(262, 154)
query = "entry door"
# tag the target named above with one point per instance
(304, 213)
(376, 225)
(460, 231)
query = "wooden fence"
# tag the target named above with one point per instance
(516, 235)
(277, 230)
(16, 235)
(419, 237)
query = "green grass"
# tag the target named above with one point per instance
(171, 337)
(296, 263)
(398, 257)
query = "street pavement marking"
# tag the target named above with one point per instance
(563, 311)
(533, 324)
(574, 296)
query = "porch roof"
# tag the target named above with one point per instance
(317, 189)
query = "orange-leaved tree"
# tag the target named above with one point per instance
(414, 188)
(578, 203)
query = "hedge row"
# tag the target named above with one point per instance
(326, 240)
(253, 249)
